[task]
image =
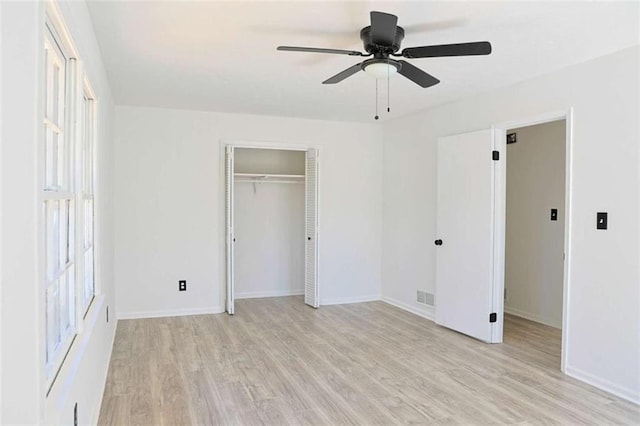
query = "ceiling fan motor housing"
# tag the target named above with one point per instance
(371, 47)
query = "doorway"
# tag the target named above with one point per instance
(534, 237)
(271, 223)
(470, 229)
(562, 119)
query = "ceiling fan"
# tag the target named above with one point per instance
(381, 40)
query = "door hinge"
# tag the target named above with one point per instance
(493, 317)
(495, 155)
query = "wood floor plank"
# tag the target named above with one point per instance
(279, 362)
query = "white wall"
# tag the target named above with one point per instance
(1, 179)
(169, 193)
(269, 161)
(534, 243)
(269, 232)
(82, 377)
(269, 224)
(604, 307)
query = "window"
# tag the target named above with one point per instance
(87, 177)
(59, 208)
(67, 195)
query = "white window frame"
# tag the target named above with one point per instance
(75, 187)
(58, 189)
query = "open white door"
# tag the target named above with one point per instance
(230, 239)
(465, 273)
(311, 292)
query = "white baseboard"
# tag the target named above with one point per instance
(171, 313)
(346, 300)
(531, 317)
(426, 312)
(273, 293)
(605, 385)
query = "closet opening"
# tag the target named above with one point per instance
(271, 217)
(535, 239)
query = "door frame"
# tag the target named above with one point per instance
(255, 144)
(500, 134)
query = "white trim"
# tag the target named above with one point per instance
(427, 312)
(499, 194)
(272, 293)
(501, 128)
(268, 145)
(171, 313)
(348, 300)
(600, 383)
(538, 119)
(59, 27)
(531, 317)
(1, 210)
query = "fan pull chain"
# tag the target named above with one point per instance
(376, 117)
(388, 89)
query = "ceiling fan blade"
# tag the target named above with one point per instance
(416, 75)
(460, 49)
(343, 74)
(319, 50)
(383, 28)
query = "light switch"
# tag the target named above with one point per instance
(602, 220)
(554, 214)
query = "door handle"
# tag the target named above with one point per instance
(438, 242)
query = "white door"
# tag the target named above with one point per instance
(311, 291)
(465, 276)
(230, 239)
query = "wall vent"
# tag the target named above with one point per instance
(426, 298)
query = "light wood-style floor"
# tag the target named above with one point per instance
(280, 362)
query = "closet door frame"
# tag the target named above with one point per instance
(222, 222)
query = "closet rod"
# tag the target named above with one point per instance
(299, 182)
(267, 175)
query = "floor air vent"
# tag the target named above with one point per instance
(426, 298)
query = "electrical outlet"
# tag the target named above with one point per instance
(182, 285)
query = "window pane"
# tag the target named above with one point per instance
(53, 255)
(53, 329)
(89, 279)
(56, 94)
(64, 234)
(87, 146)
(71, 226)
(49, 239)
(54, 160)
(49, 159)
(88, 223)
(47, 84)
(61, 161)
(64, 302)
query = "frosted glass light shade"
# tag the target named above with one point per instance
(380, 70)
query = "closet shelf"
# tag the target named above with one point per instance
(268, 178)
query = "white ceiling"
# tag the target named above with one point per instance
(221, 56)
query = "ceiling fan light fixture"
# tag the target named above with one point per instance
(381, 69)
